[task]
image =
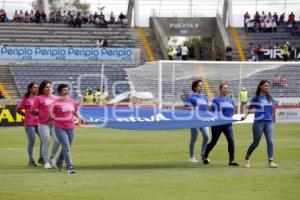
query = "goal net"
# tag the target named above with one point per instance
(170, 81)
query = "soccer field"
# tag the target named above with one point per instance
(119, 165)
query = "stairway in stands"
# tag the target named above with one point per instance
(154, 46)
(244, 41)
(6, 79)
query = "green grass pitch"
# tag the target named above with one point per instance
(152, 165)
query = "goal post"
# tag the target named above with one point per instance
(170, 81)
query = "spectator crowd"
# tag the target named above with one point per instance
(269, 22)
(73, 19)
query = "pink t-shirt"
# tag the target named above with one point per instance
(64, 111)
(42, 103)
(27, 104)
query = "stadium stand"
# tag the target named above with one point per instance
(177, 77)
(62, 35)
(23, 74)
(47, 35)
(285, 33)
(7, 82)
(288, 89)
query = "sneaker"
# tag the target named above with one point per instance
(206, 161)
(273, 165)
(47, 165)
(234, 164)
(247, 163)
(52, 163)
(31, 163)
(193, 160)
(71, 171)
(60, 169)
(41, 161)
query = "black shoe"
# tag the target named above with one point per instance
(233, 163)
(206, 161)
(71, 171)
(41, 161)
(31, 163)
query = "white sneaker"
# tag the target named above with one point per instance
(47, 165)
(273, 165)
(193, 160)
(247, 163)
(52, 163)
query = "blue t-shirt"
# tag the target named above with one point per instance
(264, 109)
(224, 106)
(197, 100)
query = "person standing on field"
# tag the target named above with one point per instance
(262, 105)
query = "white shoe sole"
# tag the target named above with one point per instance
(47, 166)
(193, 160)
(247, 163)
(52, 163)
(273, 166)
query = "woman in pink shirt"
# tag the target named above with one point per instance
(41, 108)
(30, 121)
(63, 112)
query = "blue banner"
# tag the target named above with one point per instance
(62, 53)
(134, 118)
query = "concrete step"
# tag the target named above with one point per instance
(139, 44)
(7, 80)
(245, 40)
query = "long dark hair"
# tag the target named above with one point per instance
(195, 84)
(258, 90)
(42, 86)
(60, 87)
(222, 85)
(29, 87)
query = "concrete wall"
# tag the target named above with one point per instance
(165, 27)
(174, 26)
(160, 36)
(220, 37)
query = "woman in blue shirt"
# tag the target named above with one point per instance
(262, 105)
(199, 101)
(224, 106)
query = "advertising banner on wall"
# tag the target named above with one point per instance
(277, 54)
(9, 116)
(287, 115)
(62, 53)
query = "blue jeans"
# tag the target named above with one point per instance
(45, 132)
(65, 138)
(31, 130)
(194, 135)
(216, 131)
(258, 128)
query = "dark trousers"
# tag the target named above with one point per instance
(216, 131)
(285, 57)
